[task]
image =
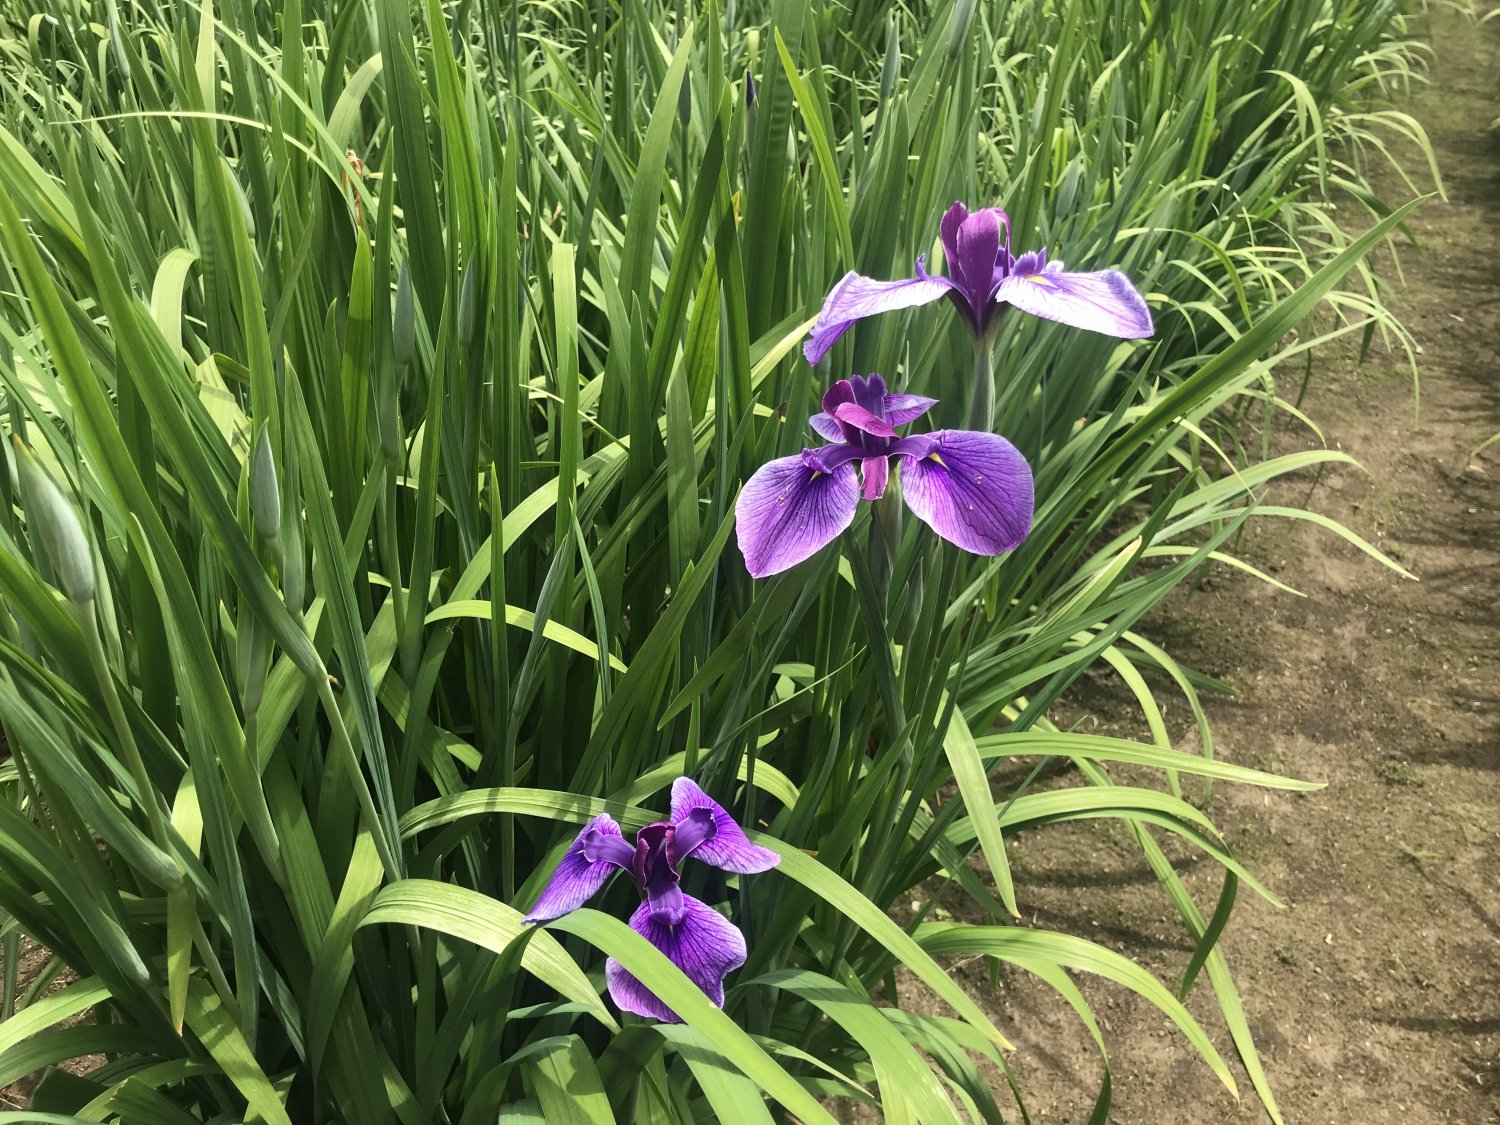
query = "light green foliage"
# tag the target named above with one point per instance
(401, 364)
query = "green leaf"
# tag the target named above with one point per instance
(844, 898)
(567, 1085)
(211, 1022)
(1104, 749)
(904, 1079)
(650, 966)
(1026, 947)
(974, 788)
(61, 1005)
(732, 1096)
(526, 620)
(462, 913)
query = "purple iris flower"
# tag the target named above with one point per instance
(983, 275)
(973, 489)
(695, 937)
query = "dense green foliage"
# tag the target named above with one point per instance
(402, 365)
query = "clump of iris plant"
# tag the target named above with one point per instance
(696, 938)
(984, 275)
(974, 489)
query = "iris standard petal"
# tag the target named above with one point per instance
(595, 855)
(901, 409)
(876, 472)
(705, 945)
(1104, 302)
(856, 297)
(869, 392)
(823, 423)
(953, 218)
(973, 489)
(977, 250)
(727, 848)
(691, 831)
(897, 409)
(856, 418)
(655, 869)
(825, 427)
(789, 511)
(839, 392)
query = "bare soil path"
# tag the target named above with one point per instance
(1375, 995)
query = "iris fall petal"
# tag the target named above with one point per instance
(789, 511)
(1104, 302)
(728, 848)
(597, 853)
(856, 297)
(973, 489)
(705, 945)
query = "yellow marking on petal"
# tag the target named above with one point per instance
(934, 457)
(816, 474)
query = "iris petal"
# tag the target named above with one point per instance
(1104, 302)
(597, 852)
(691, 830)
(978, 249)
(789, 511)
(901, 409)
(705, 945)
(869, 392)
(656, 870)
(665, 902)
(897, 409)
(974, 490)
(825, 427)
(838, 393)
(728, 848)
(856, 297)
(853, 415)
(953, 218)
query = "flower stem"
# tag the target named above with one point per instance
(885, 541)
(872, 610)
(982, 402)
(83, 614)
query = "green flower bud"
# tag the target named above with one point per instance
(885, 539)
(57, 525)
(404, 332)
(891, 72)
(958, 25)
(910, 613)
(265, 493)
(468, 302)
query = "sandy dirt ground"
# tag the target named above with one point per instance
(1374, 995)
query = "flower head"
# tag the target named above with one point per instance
(973, 489)
(983, 274)
(699, 940)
